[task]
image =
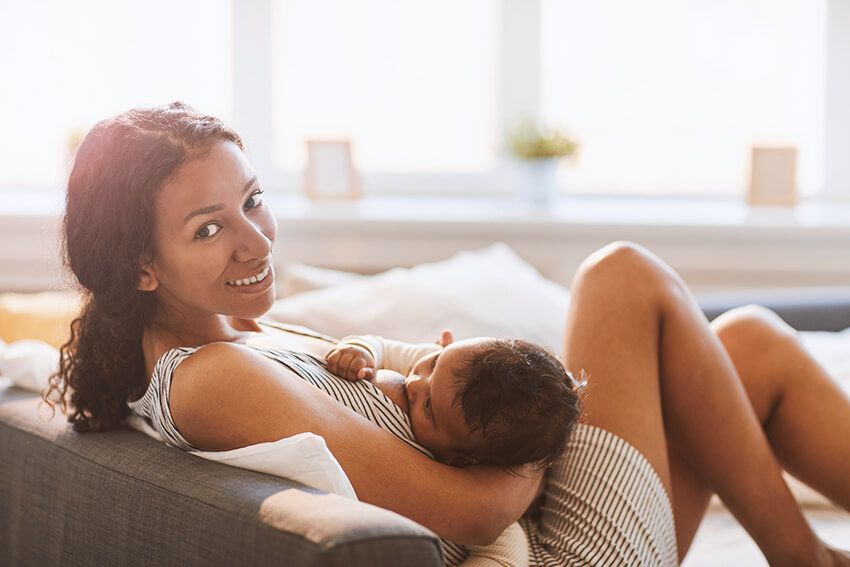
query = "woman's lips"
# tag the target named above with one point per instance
(258, 282)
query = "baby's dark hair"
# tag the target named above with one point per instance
(520, 399)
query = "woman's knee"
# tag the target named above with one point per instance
(629, 266)
(753, 322)
(753, 333)
(763, 349)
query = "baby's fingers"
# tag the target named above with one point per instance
(332, 359)
(351, 363)
(346, 365)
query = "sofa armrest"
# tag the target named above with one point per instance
(805, 309)
(121, 498)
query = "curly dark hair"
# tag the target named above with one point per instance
(108, 227)
(521, 400)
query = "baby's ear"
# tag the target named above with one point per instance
(446, 338)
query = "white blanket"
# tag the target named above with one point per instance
(304, 458)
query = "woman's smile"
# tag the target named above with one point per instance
(258, 282)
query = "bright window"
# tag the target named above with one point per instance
(67, 65)
(664, 96)
(669, 96)
(411, 84)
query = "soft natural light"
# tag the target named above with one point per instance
(663, 96)
(411, 84)
(669, 96)
(67, 65)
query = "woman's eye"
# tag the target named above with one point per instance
(207, 231)
(254, 201)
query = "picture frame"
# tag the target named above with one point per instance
(330, 172)
(773, 178)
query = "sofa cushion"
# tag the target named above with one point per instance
(121, 498)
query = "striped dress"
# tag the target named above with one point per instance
(603, 504)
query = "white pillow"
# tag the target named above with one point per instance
(488, 292)
(298, 278)
(304, 458)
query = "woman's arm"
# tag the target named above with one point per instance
(227, 396)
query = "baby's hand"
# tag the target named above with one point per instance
(351, 362)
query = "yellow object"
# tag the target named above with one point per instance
(45, 316)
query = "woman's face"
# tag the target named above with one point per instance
(213, 239)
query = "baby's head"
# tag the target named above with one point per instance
(504, 402)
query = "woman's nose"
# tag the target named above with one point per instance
(252, 243)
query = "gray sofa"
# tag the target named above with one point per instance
(121, 498)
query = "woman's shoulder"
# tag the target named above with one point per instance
(218, 392)
(217, 365)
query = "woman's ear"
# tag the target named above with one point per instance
(147, 277)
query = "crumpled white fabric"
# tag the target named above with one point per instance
(304, 458)
(29, 363)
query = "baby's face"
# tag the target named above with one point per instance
(437, 421)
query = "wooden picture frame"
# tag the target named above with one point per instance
(330, 172)
(773, 179)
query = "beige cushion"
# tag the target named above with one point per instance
(45, 316)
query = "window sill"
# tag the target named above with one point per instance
(714, 243)
(573, 210)
(570, 210)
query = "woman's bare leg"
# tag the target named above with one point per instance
(804, 413)
(660, 379)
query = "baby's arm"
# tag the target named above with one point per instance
(509, 550)
(356, 357)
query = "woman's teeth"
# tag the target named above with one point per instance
(253, 279)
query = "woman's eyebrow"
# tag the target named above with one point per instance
(203, 211)
(213, 208)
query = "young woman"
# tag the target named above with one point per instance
(168, 235)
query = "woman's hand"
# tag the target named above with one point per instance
(351, 362)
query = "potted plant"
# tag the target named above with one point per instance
(539, 149)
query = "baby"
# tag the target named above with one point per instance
(503, 402)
